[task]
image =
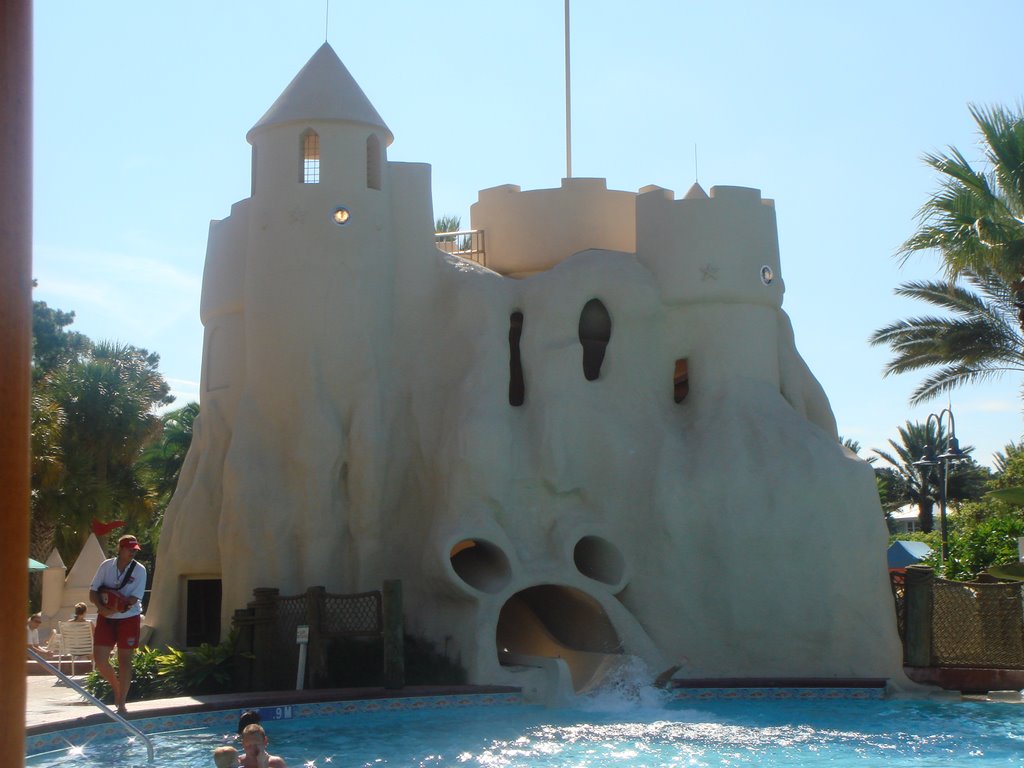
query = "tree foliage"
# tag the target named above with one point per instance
(979, 339)
(163, 459)
(93, 415)
(983, 531)
(975, 222)
(53, 345)
(909, 483)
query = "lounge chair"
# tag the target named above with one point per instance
(75, 642)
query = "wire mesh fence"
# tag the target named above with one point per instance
(966, 624)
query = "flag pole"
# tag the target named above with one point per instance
(568, 101)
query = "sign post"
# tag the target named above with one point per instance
(302, 638)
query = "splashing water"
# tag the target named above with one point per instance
(628, 686)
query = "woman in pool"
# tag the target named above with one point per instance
(254, 742)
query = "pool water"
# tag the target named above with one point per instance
(836, 733)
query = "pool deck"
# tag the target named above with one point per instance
(51, 705)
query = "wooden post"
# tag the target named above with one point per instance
(243, 623)
(15, 356)
(317, 657)
(917, 634)
(394, 635)
(264, 618)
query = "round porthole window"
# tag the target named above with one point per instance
(341, 216)
(767, 275)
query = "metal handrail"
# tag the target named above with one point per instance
(103, 707)
(467, 243)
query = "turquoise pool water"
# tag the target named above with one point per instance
(838, 734)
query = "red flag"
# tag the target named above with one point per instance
(102, 529)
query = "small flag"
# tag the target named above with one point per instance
(102, 529)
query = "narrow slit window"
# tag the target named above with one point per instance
(310, 172)
(681, 380)
(595, 332)
(516, 383)
(373, 162)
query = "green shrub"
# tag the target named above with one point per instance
(206, 669)
(146, 683)
(975, 545)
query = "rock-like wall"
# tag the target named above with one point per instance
(620, 453)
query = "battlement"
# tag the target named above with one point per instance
(721, 247)
(532, 231)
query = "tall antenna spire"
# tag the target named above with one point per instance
(327, 16)
(696, 173)
(568, 101)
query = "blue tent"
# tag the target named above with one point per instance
(904, 553)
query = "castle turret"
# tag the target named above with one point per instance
(722, 248)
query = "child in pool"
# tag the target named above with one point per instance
(225, 757)
(254, 742)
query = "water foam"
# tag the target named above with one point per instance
(629, 686)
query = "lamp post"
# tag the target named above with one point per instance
(929, 459)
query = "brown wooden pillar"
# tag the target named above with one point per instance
(316, 659)
(917, 629)
(265, 668)
(394, 635)
(15, 351)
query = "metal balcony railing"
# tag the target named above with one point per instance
(467, 243)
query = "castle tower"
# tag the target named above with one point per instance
(294, 268)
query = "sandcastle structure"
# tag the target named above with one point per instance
(601, 442)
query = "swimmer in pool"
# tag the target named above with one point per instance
(247, 718)
(254, 742)
(225, 757)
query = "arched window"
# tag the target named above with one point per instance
(681, 380)
(373, 162)
(516, 384)
(309, 171)
(595, 331)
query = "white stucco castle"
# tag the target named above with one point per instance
(604, 442)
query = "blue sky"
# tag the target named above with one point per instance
(141, 111)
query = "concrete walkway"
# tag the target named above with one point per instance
(49, 700)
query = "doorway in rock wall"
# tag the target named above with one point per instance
(202, 612)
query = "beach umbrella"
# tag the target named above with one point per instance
(35, 565)
(904, 553)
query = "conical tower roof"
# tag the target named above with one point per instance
(323, 90)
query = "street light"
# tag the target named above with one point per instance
(929, 459)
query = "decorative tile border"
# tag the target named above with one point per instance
(228, 719)
(774, 694)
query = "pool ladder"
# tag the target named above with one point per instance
(103, 707)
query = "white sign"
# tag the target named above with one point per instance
(302, 634)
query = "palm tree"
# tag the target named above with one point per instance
(982, 338)
(163, 459)
(1001, 459)
(919, 485)
(976, 219)
(93, 418)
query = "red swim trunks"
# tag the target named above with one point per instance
(124, 633)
